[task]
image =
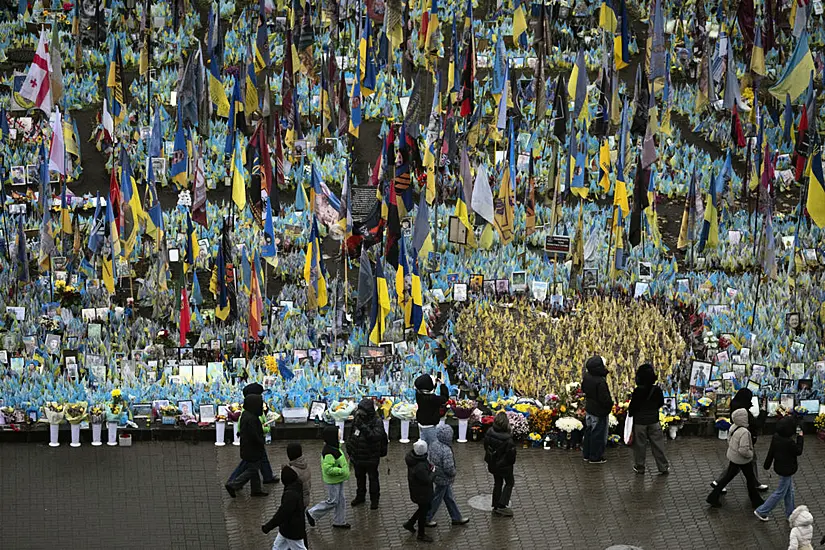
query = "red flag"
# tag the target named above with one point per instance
(185, 316)
(114, 193)
(800, 155)
(738, 134)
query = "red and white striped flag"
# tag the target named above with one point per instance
(37, 88)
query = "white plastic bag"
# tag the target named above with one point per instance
(628, 430)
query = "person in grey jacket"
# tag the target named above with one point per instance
(740, 454)
(444, 471)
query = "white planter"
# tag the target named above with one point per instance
(340, 425)
(723, 434)
(111, 428)
(75, 435)
(54, 429)
(462, 429)
(387, 427)
(405, 431)
(236, 431)
(220, 432)
(125, 440)
(2, 419)
(96, 429)
(671, 432)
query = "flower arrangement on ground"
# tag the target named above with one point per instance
(704, 403)
(535, 439)
(669, 421)
(464, 408)
(800, 411)
(569, 424)
(518, 425)
(819, 422)
(341, 410)
(723, 424)
(169, 410)
(76, 412)
(612, 421)
(541, 421)
(684, 408)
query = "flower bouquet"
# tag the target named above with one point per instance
(383, 406)
(234, 412)
(97, 414)
(614, 440)
(6, 415)
(542, 420)
(684, 408)
(341, 410)
(518, 425)
(169, 414)
(800, 411)
(819, 424)
(782, 412)
(54, 416)
(405, 412)
(612, 422)
(723, 425)
(567, 426)
(464, 408)
(535, 439)
(704, 404)
(75, 414)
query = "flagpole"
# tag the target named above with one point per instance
(756, 296)
(610, 239)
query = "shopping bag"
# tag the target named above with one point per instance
(628, 430)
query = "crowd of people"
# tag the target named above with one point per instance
(432, 468)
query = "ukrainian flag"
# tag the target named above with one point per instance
(193, 249)
(519, 24)
(251, 99)
(417, 313)
(621, 42)
(758, 54)
(710, 227)
(607, 17)
(238, 176)
(816, 192)
(315, 272)
(179, 156)
(797, 74)
(431, 26)
(114, 241)
(222, 307)
(131, 211)
(65, 213)
(366, 71)
(216, 91)
(154, 218)
(380, 305)
(462, 214)
(400, 295)
(355, 101)
(604, 165)
(114, 85)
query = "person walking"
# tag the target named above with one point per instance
(266, 467)
(298, 462)
(252, 447)
(366, 445)
(598, 405)
(802, 529)
(420, 481)
(500, 456)
(783, 453)
(334, 472)
(442, 459)
(289, 518)
(744, 400)
(429, 405)
(740, 456)
(644, 407)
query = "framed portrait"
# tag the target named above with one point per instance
(700, 374)
(645, 271)
(238, 365)
(142, 410)
(186, 407)
(796, 370)
(757, 373)
(670, 405)
(457, 231)
(793, 320)
(773, 404)
(723, 404)
(539, 290)
(476, 282)
(18, 175)
(353, 373)
(388, 347)
(460, 292)
(299, 354)
(4, 357)
(739, 371)
(518, 281)
(786, 400)
(317, 410)
(590, 278)
(33, 174)
(207, 413)
(810, 405)
(804, 387)
(371, 351)
(786, 385)
(754, 387)
(489, 287)
(52, 343)
(502, 286)
(798, 347)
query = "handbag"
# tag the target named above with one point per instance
(628, 430)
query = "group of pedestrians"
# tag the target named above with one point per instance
(431, 466)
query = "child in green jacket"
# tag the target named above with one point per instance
(334, 471)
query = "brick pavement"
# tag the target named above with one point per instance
(170, 495)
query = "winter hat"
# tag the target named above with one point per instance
(294, 450)
(595, 365)
(288, 475)
(425, 383)
(420, 447)
(253, 388)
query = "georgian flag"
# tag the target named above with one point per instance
(57, 149)
(36, 88)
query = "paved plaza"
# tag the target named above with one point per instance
(170, 495)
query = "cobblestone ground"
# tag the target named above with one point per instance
(170, 495)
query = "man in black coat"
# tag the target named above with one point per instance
(266, 467)
(252, 446)
(366, 446)
(598, 405)
(289, 518)
(429, 405)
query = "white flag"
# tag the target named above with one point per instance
(483, 195)
(37, 88)
(57, 150)
(108, 122)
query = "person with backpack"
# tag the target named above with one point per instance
(366, 445)
(598, 405)
(334, 472)
(289, 518)
(429, 405)
(500, 456)
(783, 454)
(740, 456)
(644, 407)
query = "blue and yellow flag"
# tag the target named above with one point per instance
(417, 321)
(380, 305)
(131, 211)
(154, 218)
(216, 91)
(269, 251)
(519, 24)
(179, 156)
(238, 176)
(710, 227)
(65, 213)
(607, 16)
(797, 74)
(355, 102)
(114, 85)
(251, 100)
(193, 249)
(315, 271)
(462, 214)
(400, 274)
(621, 42)
(366, 64)
(222, 305)
(816, 191)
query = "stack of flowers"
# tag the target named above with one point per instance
(684, 408)
(502, 404)
(535, 439)
(76, 412)
(819, 424)
(518, 425)
(541, 421)
(704, 403)
(612, 422)
(782, 412)
(54, 412)
(97, 414)
(569, 424)
(383, 406)
(668, 421)
(169, 414)
(620, 409)
(341, 410)
(464, 408)
(800, 411)
(404, 411)
(68, 295)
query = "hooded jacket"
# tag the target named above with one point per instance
(289, 518)
(419, 478)
(299, 465)
(740, 446)
(802, 529)
(743, 400)
(368, 441)
(647, 398)
(252, 431)
(499, 451)
(429, 403)
(594, 386)
(784, 448)
(441, 456)
(334, 465)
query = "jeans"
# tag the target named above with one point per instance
(783, 492)
(445, 493)
(361, 473)
(501, 497)
(733, 469)
(335, 501)
(649, 433)
(251, 473)
(283, 543)
(420, 516)
(595, 437)
(427, 433)
(266, 469)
